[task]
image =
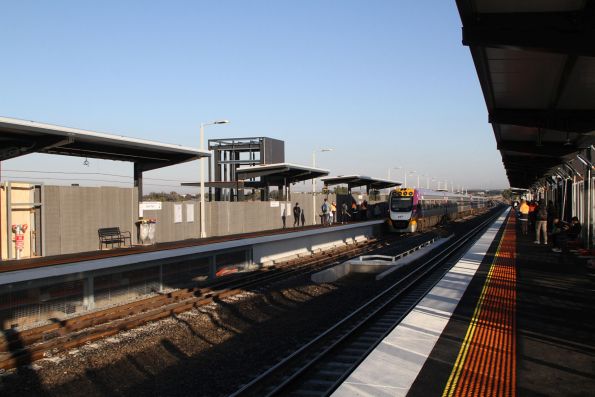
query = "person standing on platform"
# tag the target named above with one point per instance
(344, 212)
(333, 212)
(326, 210)
(524, 211)
(353, 211)
(532, 214)
(303, 218)
(364, 210)
(284, 215)
(296, 214)
(541, 223)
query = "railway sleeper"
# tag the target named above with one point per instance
(51, 335)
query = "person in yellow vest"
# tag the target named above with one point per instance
(524, 211)
(333, 212)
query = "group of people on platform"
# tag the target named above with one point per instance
(298, 215)
(544, 220)
(330, 214)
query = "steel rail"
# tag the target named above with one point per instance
(281, 378)
(37, 343)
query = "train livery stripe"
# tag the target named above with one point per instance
(486, 363)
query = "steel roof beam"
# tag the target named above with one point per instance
(20, 147)
(546, 150)
(579, 121)
(570, 33)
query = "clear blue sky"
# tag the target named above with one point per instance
(385, 83)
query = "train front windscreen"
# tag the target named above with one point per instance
(401, 204)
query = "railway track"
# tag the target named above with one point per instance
(319, 366)
(36, 343)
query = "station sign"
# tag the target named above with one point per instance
(148, 206)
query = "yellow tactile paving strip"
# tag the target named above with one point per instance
(486, 363)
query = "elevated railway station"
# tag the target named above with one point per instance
(464, 303)
(511, 316)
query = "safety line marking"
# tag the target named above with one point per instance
(486, 362)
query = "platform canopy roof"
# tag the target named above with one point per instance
(360, 180)
(536, 66)
(21, 137)
(279, 174)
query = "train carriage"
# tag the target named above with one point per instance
(411, 210)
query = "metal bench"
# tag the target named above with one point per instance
(113, 235)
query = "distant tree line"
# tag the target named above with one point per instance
(171, 196)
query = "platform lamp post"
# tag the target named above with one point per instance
(439, 180)
(427, 180)
(389, 174)
(314, 181)
(203, 232)
(410, 173)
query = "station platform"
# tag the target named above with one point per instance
(12, 265)
(36, 291)
(510, 318)
(310, 239)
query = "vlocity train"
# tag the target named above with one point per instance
(412, 210)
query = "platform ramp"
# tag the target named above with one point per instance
(381, 265)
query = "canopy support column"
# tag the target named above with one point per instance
(588, 199)
(138, 180)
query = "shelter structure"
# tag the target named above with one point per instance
(360, 180)
(231, 153)
(282, 175)
(536, 66)
(24, 203)
(21, 137)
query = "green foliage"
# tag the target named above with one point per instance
(340, 190)
(171, 196)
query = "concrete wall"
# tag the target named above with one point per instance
(224, 218)
(72, 216)
(167, 229)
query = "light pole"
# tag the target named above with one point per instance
(427, 180)
(203, 232)
(389, 176)
(439, 179)
(314, 181)
(410, 173)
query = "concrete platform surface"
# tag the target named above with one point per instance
(391, 369)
